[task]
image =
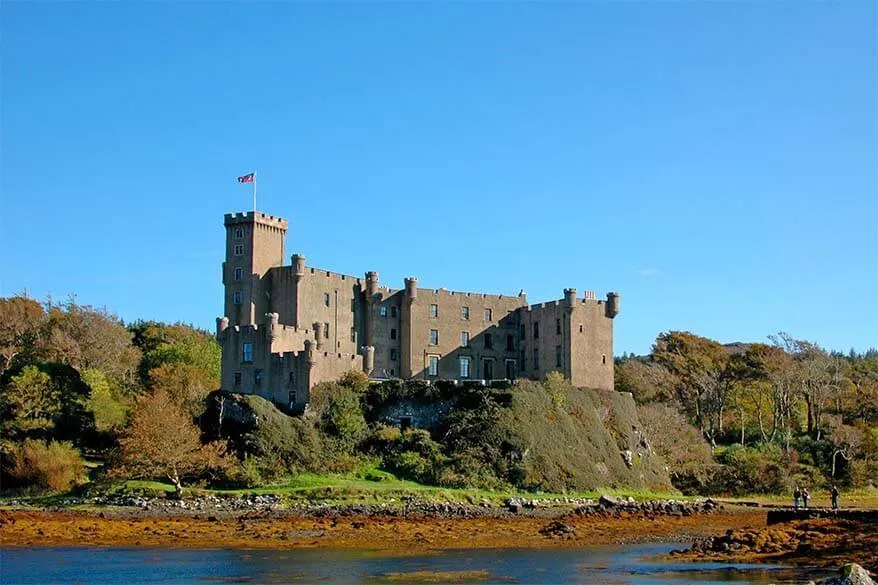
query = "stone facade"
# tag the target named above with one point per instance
(288, 327)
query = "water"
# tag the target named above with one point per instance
(617, 565)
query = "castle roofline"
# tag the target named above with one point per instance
(245, 217)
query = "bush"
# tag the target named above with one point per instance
(43, 466)
(762, 469)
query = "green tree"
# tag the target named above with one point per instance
(108, 410)
(29, 402)
(164, 344)
(187, 385)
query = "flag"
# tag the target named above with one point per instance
(249, 178)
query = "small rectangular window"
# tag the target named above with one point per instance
(237, 378)
(239, 232)
(393, 334)
(558, 326)
(393, 311)
(236, 297)
(559, 359)
(326, 331)
(353, 334)
(464, 313)
(536, 364)
(489, 315)
(489, 341)
(239, 249)
(434, 311)
(537, 330)
(382, 310)
(292, 378)
(247, 352)
(510, 343)
(392, 354)
(580, 327)
(325, 299)
(604, 360)
(239, 273)
(433, 368)
(434, 337)
(464, 338)
(464, 367)
(257, 377)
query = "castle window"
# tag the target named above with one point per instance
(433, 365)
(510, 343)
(559, 360)
(464, 313)
(489, 315)
(292, 380)
(239, 249)
(393, 334)
(326, 331)
(393, 311)
(239, 232)
(464, 339)
(434, 337)
(247, 352)
(465, 366)
(353, 334)
(392, 354)
(536, 330)
(604, 360)
(558, 326)
(236, 297)
(580, 327)
(434, 311)
(382, 310)
(239, 273)
(325, 299)
(257, 377)
(536, 365)
(489, 341)
(237, 378)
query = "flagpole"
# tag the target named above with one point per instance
(254, 192)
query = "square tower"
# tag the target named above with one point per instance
(254, 245)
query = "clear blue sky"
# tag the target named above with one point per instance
(716, 163)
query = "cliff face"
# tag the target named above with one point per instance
(572, 439)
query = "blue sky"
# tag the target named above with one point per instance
(716, 163)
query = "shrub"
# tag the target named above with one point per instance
(43, 466)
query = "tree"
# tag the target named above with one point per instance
(164, 344)
(85, 338)
(186, 385)
(703, 387)
(161, 440)
(22, 321)
(817, 376)
(30, 401)
(108, 411)
(646, 380)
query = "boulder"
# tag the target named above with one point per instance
(850, 574)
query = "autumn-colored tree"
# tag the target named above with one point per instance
(646, 380)
(161, 440)
(22, 321)
(703, 387)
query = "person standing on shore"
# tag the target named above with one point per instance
(805, 496)
(834, 493)
(796, 496)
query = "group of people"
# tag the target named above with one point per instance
(801, 496)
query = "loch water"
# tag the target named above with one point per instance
(616, 565)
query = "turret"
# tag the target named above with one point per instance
(319, 334)
(411, 288)
(309, 351)
(222, 323)
(570, 297)
(368, 359)
(274, 320)
(298, 261)
(612, 304)
(371, 284)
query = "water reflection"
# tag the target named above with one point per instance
(629, 565)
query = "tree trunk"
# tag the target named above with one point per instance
(178, 486)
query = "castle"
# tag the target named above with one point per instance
(286, 328)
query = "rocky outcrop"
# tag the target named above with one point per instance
(615, 506)
(850, 574)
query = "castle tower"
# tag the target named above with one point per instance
(254, 245)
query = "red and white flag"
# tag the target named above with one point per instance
(249, 178)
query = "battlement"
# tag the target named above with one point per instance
(467, 294)
(330, 274)
(255, 217)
